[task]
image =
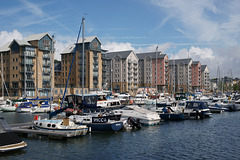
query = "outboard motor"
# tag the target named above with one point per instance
(134, 123)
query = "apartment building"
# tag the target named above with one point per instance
(153, 71)
(180, 75)
(196, 75)
(26, 65)
(205, 78)
(122, 71)
(92, 66)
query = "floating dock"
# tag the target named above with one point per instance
(27, 128)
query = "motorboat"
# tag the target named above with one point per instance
(140, 99)
(216, 108)
(8, 139)
(170, 115)
(87, 112)
(44, 107)
(105, 102)
(9, 106)
(62, 125)
(98, 121)
(146, 117)
(196, 109)
(25, 107)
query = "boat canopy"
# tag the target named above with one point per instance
(196, 105)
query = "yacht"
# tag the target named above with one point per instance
(146, 117)
(196, 109)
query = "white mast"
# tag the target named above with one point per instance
(2, 76)
(156, 74)
(174, 85)
(51, 68)
(83, 58)
(25, 76)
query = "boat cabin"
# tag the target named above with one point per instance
(89, 100)
(196, 105)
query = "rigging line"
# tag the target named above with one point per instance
(4, 84)
(71, 63)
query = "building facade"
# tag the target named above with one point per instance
(196, 75)
(180, 75)
(90, 67)
(26, 66)
(205, 78)
(122, 71)
(153, 71)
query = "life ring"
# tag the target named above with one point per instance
(36, 117)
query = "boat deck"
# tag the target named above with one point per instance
(27, 128)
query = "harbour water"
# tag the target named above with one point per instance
(217, 137)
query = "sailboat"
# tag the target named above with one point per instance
(58, 124)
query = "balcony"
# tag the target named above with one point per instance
(95, 69)
(27, 63)
(95, 74)
(28, 54)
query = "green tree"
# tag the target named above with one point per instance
(236, 87)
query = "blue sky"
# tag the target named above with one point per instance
(208, 29)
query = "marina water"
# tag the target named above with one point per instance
(215, 137)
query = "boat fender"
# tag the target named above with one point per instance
(16, 105)
(36, 117)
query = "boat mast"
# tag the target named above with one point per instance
(25, 76)
(2, 75)
(174, 85)
(51, 68)
(83, 58)
(188, 76)
(156, 74)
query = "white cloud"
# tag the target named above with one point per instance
(115, 46)
(205, 20)
(161, 47)
(9, 36)
(60, 47)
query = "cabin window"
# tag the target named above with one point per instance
(49, 125)
(53, 126)
(40, 124)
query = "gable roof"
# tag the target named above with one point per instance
(122, 54)
(150, 54)
(177, 61)
(88, 39)
(5, 47)
(37, 36)
(20, 43)
(69, 49)
(203, 67)
(195, 62)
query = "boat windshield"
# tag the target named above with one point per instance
(197, 105)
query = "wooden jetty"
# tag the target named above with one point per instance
(27, 128)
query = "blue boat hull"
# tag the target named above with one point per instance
(172, 116)
(106, 126)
